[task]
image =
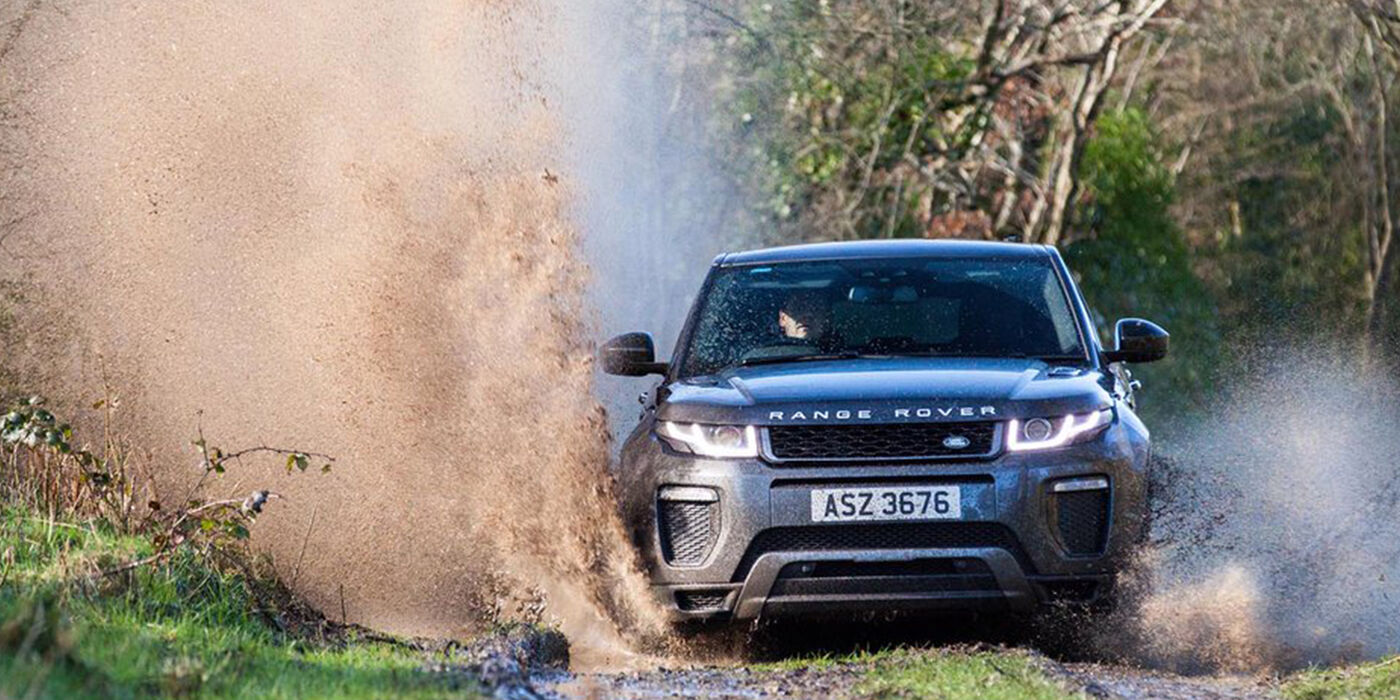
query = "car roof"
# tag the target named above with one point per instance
(889, 248)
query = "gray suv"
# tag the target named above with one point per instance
(891, 425)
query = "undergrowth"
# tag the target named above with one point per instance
(109, 590)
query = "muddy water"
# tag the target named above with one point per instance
(1275, 538)
(345, 227)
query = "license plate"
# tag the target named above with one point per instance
(887, 503)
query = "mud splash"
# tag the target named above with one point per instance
(347, 226)
(1276, 542)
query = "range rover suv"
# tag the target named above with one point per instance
(892, 425)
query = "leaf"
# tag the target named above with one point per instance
(206, 524)
(238, 531)
(326, 469)
(99, 404)
(302, 462)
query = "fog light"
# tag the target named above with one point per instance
(691, 494)
(1086, 483)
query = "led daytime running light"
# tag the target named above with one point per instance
(697, 438)
(1071, 427)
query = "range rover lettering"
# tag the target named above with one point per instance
(893, 425)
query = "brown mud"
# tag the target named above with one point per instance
(340, 227)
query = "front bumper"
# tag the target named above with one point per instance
(764, 557)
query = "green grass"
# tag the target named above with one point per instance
(180, 628)
(942, 674)
(948, 674)
(1376, 681)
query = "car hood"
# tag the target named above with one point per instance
(885, 390)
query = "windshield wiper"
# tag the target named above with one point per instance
(853, 355)
(994, 355)
(1061, 358)
(814, 357)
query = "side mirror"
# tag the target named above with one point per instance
(1138, 341)
(631, 355)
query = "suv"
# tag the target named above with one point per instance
(890, 425)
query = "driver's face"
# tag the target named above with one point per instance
(802, 318)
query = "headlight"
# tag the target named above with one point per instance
(710, 440)
(1046, 433)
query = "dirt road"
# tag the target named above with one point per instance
(840, 680)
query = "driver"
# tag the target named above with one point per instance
(803, 316)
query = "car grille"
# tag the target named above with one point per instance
(823, 538)
(880, 442)
(688, 531)
(1082, 518)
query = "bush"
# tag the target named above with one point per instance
(1135, 261)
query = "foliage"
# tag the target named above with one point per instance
(1283, 115)
(881, 118)
(106, 594)
(1292, 258)
(43, 469)
(179, 627)
(839, 112)
(1136, 261)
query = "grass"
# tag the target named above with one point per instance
(948, 674)
(180, 628)
(1374, 681)
(940, 674)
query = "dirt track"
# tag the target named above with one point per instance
(837, 681)
(1109, 681)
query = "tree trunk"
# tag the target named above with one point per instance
(1380, 243)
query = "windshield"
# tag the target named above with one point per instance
(790, 312)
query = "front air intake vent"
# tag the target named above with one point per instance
(698, 601)
(886, 441)
(1082, 520)
(688, 530)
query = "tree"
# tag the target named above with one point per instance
(1275, 107)
(1380, 21)
(897, 118)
